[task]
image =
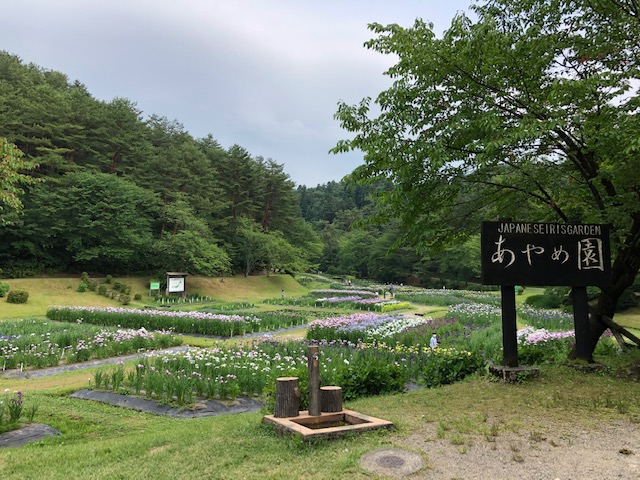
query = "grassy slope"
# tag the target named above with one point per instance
(45, 292)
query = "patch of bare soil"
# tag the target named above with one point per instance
(559, 451)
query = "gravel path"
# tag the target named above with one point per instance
(46, 372)
(563, 451)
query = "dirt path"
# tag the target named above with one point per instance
(46, 372)
(558, 451)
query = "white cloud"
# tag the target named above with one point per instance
(265, 74)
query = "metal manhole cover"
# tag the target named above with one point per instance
(391, 461)
(394, 462)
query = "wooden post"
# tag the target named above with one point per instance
(287, 397)
(314, 380)
(581, 323)
(509, 327)
(331, 399)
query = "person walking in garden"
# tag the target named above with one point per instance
(433, 343)
(282, 294)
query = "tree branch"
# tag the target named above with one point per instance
(620, 330)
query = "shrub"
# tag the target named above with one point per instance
(449, 365)
(102, 290)
(544, 301)
(117, 286)
(18, 296)
(82, 287)
(108, 279)
(554, 352)
(4, 288)
(137, 297)
(125, 299)
(370, 376)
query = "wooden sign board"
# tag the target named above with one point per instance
(177, 283)
(545, 254)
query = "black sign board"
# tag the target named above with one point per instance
(518, 253)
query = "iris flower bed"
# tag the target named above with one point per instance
(343, 292)
(384, 305)
(178, 321)
(451, 332)
(214, 373)
(39, 344)
(537, 346)
(344, 299)
(545, 318)
(370, 303)
(359, 327)
(444, 297)
(361, 370)
(226, 306)
(275, 319)
(475, 313)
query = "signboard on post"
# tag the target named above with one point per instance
(176, 283)
(545, 254)
(155, 286)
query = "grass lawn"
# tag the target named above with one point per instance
(46, 292)
(629, 318)
(104, 442)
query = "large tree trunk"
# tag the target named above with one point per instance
(623, 273)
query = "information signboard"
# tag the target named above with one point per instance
(176, 284)
(545, 254)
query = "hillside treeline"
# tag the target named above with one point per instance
(118, 192)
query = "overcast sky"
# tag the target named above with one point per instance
(264, 74)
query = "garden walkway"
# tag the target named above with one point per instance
(46, 372)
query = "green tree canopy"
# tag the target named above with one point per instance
(11, 178)
(531, 112)
(199, 188)
(98, 220)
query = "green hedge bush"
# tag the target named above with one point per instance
(18, 296)
(544, 301)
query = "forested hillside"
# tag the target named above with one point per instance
(121, 192)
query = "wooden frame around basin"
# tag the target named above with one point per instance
(303, 424)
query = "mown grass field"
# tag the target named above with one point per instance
(45, 292)
(105, 442)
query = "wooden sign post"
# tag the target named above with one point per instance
(509, 325)
(545, 254)
(313, 362)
